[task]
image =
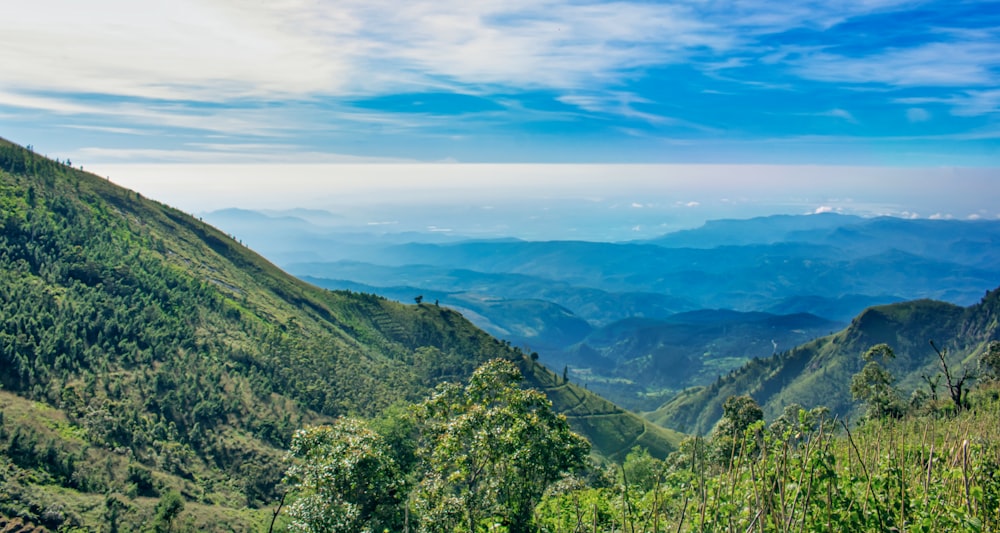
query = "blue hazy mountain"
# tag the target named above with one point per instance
(595, 306)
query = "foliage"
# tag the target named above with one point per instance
(874, 384)
(819, 373)
(149, 335)
(346, 478)
(989, 362)
(739, 413)
(490, 449)
(909, 474)
(170, 506)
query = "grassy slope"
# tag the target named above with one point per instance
(153, 352)
(819, 372)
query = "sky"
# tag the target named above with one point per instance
(168, 95)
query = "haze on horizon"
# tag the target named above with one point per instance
(559, 202)
(625, 117)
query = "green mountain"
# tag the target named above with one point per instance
(640, 362)
(144, 352)
(819, 373)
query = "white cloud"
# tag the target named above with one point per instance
(220, 50)
(842, 114)
(163, 49)
(160, 115)
(965, 103)
(221, 154)
(940, 216)
(938, 64)
(225, 50)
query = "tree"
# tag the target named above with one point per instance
(167, 509)
(490, 449)
(738, 414)
(873, 385)
(346, 478)
(989, 362)
(641, 470)
(957, 387)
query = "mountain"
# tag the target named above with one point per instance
(143, 352)
(819, 372)
(463, 288)
(638, 362)
(550, 296)
(751, 277)
(760, 230)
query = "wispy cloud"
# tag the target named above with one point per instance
(172, 115)
(222, 50)
(223, 154)
(316, 74)
(841, 114)
(917, 114)
(964, 103)
(937, 64)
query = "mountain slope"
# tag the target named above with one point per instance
(143, 351)
(819, 372)
(638, 363)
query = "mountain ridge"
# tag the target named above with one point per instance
(818, 373)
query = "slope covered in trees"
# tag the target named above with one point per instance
(819, 372)
(145, 354)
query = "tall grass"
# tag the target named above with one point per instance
(935, 472)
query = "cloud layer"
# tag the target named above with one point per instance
(509, 80)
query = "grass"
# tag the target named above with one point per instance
(933, 472)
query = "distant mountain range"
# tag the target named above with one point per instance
(576, 303)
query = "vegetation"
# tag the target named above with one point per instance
(926, 472)
(154, 372)
(819, 373)
(922, 469)
(487, 452)
(145, 354)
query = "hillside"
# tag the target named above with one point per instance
(143, 351)
(640, 362)
(819, 373)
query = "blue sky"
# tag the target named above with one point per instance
(127, 87)
(864, 82)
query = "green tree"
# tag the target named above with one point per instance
(345, 477)
(873, 385)
(168, 509)
(738, 414)
(642, 471)
(490, 449)
(989, 363)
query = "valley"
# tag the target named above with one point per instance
(155, 369)
(641, 321)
